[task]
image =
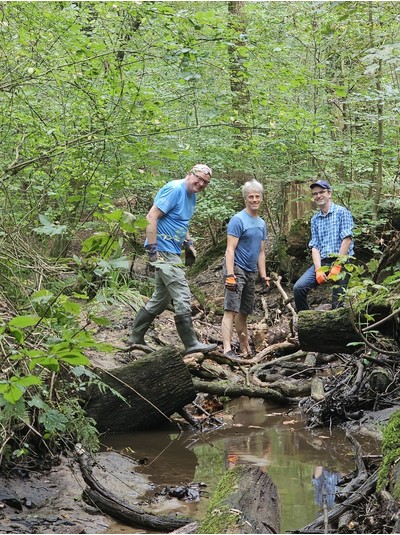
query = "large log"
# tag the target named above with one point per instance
(328, 331)
(154, 387)
(117, 506)
(245, 501)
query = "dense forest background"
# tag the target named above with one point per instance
(104, 102)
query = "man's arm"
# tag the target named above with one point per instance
(316, 258)
(152, 217)
(345, 246)
(261, 261)
(231, 245)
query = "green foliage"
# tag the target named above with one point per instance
(391, 452)
(109, 101)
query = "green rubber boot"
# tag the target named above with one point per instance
(184, 326)
(141, 324)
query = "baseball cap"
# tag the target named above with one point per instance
(202, 168)
(321, 184)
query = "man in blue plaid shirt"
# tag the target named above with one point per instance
(331, 243)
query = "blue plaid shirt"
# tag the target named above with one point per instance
(329, 230)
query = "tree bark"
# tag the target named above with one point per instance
(245, 501)
(224, 388)
(327, 331)
(154, 387)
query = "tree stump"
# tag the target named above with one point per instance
(245, 501)
(154, 387)
(328, 331)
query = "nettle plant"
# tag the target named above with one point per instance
(45, 374)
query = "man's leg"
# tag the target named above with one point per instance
(178, 289)
(161, 298)
(227, 329)
(300, 290)
(243, 335)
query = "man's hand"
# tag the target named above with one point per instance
(334, 272)
(265, 284)
(320, 275)
(190, 253)
(230, 283)
(151, 249)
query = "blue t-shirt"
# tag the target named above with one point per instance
(329, 230)
(251, 231)
(178, 207)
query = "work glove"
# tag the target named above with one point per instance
(265, 284)
(190, 253)
(320, 275)
(151, 249)
(230, 283)
(334, 272)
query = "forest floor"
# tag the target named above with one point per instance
(51, 502)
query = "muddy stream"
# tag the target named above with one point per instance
(304, 464)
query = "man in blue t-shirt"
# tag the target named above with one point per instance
(245, 254)
(166, 233)
(331, 243)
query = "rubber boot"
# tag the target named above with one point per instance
(141, 324)
(184, 326)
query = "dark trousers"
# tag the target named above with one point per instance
(308, 281)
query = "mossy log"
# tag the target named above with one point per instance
(154, 387)
(329, 331)
(245, 501)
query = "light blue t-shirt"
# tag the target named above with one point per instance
(178, 207)
(251, 231)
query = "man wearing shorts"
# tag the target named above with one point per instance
(244, 256)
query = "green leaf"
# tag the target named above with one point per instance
(50, 363)
(75, 358)
(53, 421)
(49, 228)
(100, 320)
(24, 321)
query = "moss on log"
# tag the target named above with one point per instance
(329, 331)
(245, 501)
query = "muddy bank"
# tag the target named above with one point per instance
(52, 502)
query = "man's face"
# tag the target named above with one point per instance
(321, 196)
(253, 201)
(197, 181)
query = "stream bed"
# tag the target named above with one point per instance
(304, 464)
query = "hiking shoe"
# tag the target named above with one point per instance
(231, 355)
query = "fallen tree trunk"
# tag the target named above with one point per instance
(154, 387)
(97, 495)
(245, 501)
(327, 331)
(225, 388)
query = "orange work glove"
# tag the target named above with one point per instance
(320, 275)
(230, 283)
(337, 268)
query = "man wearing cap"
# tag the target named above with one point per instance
(166, 233)
(331, 243)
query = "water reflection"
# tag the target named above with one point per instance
(257, 434)
(325, 482)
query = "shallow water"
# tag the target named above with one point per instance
(254, 433)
